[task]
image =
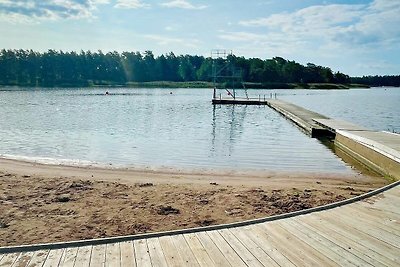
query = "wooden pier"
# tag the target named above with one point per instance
(302, 117)
(378, 150)
(364, 231)
(298, 115)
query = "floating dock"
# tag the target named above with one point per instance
(363, 231)
(302, 117)
(379, 151)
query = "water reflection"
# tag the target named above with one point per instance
(229, 119)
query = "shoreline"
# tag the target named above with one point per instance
(203, 85)
(132, 175)
(46, 203)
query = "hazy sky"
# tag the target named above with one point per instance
(357, 37)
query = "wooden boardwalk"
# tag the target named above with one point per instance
(363, 233)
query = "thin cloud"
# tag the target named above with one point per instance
(23, 11)
(183, 4)
(346, 25)
(131, 4)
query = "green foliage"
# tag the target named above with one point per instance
(387, 80)
(58, 68)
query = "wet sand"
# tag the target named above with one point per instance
(48, 203)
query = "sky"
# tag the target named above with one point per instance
(356, 37)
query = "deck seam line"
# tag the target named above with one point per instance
(322, 245)
(244, 245)
(312, 228)
(237, 253)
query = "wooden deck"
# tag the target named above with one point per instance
(364, 233)
(300, 116)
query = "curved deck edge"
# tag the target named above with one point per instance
(100, 241)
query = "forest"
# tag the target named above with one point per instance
(71, 69)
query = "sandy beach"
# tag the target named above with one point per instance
(49, 203)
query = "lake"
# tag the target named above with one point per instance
(179, 128)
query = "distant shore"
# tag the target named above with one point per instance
(52, 203)
(202, 84)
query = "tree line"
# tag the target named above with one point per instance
(387, 80)
(86, 68)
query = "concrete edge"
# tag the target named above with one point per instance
(36, 247)
(378, 147)
(361, 159)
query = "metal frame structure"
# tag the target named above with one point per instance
(223, 68)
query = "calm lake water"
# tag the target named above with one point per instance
(153, 128)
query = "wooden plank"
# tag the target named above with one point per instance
(255, 249)
(98, 255)
(389, 223)
(127, 254)
(54, 258)
(212, 250)
(229, 253)
(362, 226)
(359, 250)
(142, 254)
(325, 246)
(391, 200)
(156, 253)
(172, 257)
(113, 255)
(83, 256)
(239, 248)
(378, 222)
(198, 250)
(394, 192)
(69, 257)
(370, 250)
(184, 251)
(9, 259)
(260, 237)
(377, 210)
(38, 258)
(296, 247)
(374, 243)
(23, 259)
(379, 205)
